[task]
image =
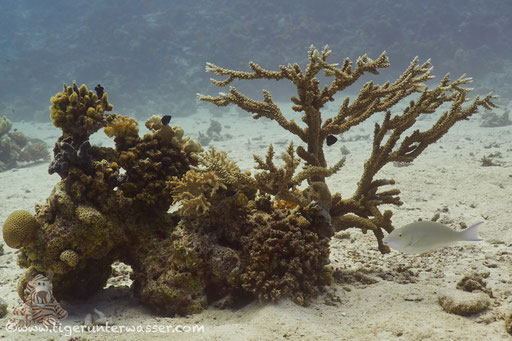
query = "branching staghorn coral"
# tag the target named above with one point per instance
(278, 181)
(194, 191)
(362, 209)
(282, 182)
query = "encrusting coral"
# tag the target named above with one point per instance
(195, 228)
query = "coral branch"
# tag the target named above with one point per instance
(388, 143)
(267, 108)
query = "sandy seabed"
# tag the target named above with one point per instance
(377, 297)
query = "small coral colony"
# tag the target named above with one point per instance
(236, 235)
(16, 148)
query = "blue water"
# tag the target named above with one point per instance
(150, 55)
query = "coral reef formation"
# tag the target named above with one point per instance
(193, 226)
(285, 257)
(362, 209)
(15, 147)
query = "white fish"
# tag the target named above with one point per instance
(424, 236)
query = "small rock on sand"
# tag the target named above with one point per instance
(463, 303)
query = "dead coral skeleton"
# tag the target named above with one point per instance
(362, 209)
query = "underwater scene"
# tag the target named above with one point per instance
(256, 170)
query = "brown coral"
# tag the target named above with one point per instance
(172, 280)
(285, 258)
(226, 239)
(362, 209)
(125, 129)
(282, 182)
(172, 135)
(149, 166)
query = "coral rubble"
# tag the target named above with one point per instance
(193, 226)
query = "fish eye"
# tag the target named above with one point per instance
(399, 235)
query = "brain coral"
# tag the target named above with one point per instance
(19, 228)
(70, 258)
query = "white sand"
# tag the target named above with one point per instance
(402, 303)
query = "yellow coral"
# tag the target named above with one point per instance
(283, 204)
(59, 267)
(166, 135)
(127, 156)
(78, 111)
(122, 126)
(19, 229)
(172, 135)
(89, 215)
(241, 199)
(69, 257)
(194, 191)
(192, 146)
(5, 125)
(22, 284)
(154, 123)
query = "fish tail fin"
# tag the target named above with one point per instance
(471, 233)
